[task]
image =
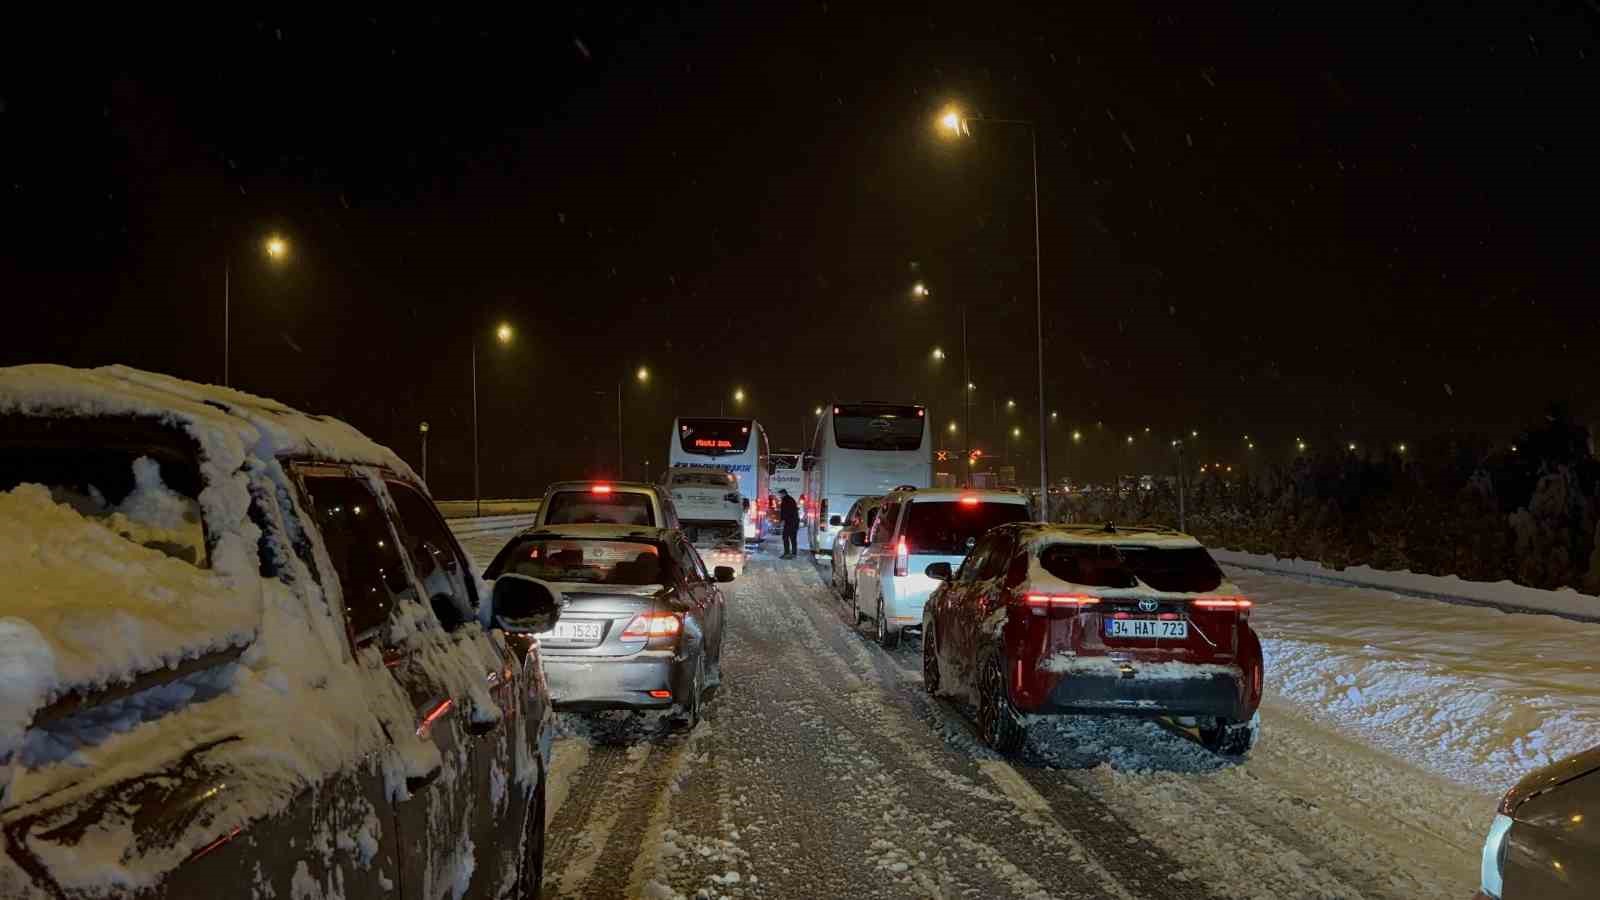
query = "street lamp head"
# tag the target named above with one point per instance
(423, 428)
(919, 290)
(971, 386)
(818, 411)
(738, 395)
(276, 248)
(643, 374)
(1016, 432)
(503, 333)
(1194, 434)
(938, 353)
(1053, 415)
(1011, 404)
(952, 428)
(1076, 435)
(952, 124)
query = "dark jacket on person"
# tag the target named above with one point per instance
(789, 512)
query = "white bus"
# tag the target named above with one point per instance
(862, 450)
(734, 445)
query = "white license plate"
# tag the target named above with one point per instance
(576, 632)
(1151, 629)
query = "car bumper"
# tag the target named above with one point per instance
(904, 596)
(1202, 695)
(593, 683)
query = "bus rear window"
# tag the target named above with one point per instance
(589, 508)
(714, 436)
(878, 427)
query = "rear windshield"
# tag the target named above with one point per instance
(714, 436)
(951, 527)
(878, 427)
(134, 478)
(588, 508)
(1186, 570)
(703, 479)
(622, 563)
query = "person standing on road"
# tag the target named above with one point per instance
(789, 514)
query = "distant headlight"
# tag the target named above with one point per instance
(1494, 857)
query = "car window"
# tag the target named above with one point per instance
(587, 561)
(696, 568)
(435, 556)
(974, 560)
(995, 561)
(883, 529)
(361, 549)
(950, 527)
(592, 507)
(1186, 570)
(1093, 565)
(872, 515)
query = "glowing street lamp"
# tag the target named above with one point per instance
(738, 395)
(276, 247)
(919, 290)
(1077, 436)
(938, 353)
(504, 333)
(952, 427)
(818, 411)
(643, 375)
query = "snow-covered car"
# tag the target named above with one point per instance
(1544, 839)
(847, 548)
(708, 503)
(1093, 619)
(241, 654)
(916, 528)
(643, 623)
(607, 503)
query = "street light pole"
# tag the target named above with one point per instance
(424, 429)
(477, 492)
(620, 475)
(227, 324)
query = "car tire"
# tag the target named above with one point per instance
(999, 727)
(530, 880)
(888, 636)
(688, 715)
(930, 662)
(1227, 738)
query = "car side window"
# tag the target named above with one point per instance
(435, 557)
(699, 563)
(999, 555)
(883, 529)
(974, 561)
(362, 551)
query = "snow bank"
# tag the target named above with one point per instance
(1505, 595)
(1474, 693)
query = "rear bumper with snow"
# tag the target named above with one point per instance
(1206, 695)
(597, 683)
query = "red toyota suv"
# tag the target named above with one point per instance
(1093, 619)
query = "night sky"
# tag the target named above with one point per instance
(1369, 222)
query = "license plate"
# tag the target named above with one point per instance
(1150, 629)
(575, 632)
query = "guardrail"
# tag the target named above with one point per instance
(468, 509)
(471, 527)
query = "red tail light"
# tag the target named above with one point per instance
(969, 501)
(1221, 603)
(600, 489)
(1060, 601)
(652, 625)
(902, 558)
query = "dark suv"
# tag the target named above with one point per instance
(243, 654)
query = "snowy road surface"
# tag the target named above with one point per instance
(822, 769)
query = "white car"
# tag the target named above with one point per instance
(708, 502)
(916, 528)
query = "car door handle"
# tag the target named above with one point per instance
(415, 783)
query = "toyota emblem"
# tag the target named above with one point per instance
(1148, 604)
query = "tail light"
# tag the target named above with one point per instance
(1042, 604)
(1223, 604)
(653, 627)
(969, 500)
(902, 558)
(600, 489)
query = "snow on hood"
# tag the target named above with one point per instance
(84, 607)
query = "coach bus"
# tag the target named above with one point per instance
(860, 450)
(735, 445)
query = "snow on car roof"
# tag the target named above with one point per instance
(1040, 534)
(224, 421)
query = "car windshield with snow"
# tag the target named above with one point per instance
(241, 652)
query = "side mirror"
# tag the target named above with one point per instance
(858, 538)
(524, 605)
(835, 521)
(723, 574)
(939, 571)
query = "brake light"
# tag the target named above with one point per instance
(600, 489)
(660, 695)
(1060, 601)
(439, 711)
(902, 558)
(652, 625)
(1222, 603)
(969, 501)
